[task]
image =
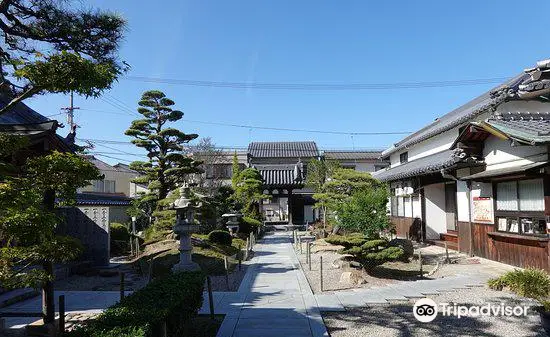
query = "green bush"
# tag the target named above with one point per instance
(119, 232)
(370, 253)
(531, 282)
(347, 241)
(120, 239)
(406, 245)
(175, 300)
(249, 225)
(220, 237)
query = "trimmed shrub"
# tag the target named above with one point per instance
(531, 282)
(406, 246)
(119, 232)
(220, 237)
(370, 253)
(249, 225)
(175, 300)
(120, 239)
(347, 241)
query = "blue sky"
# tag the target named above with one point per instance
(316, 42)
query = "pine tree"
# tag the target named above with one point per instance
(51, 46)
(168, 163)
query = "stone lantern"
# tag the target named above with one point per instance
(234, 221)
(185, 226)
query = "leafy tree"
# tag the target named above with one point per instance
(340, 186)
(28, 221)
(365, 212)
(168, 163)
(318, 172)
(49, 46)
(248, 192)
(236, 170)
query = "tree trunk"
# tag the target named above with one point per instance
(48, 301)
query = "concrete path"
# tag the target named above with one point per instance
(75, 302)
(274, 298)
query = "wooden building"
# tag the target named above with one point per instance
(283, 166)
(478, 177)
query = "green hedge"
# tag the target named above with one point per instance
(175, 300)
(221, 237)
(249, 225)
(119, 232)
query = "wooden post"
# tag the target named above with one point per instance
(240, 261)
(226, 265)
(210, 298)
(447, 260)
(61, 314)
(407, 235)
(121, 286)
(300, 243)
(309, 253)
(321, 272)
(137, 246)
(131, 246)
(420, 262)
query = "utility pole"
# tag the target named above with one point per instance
(70, 113)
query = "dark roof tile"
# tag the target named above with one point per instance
(306, 149)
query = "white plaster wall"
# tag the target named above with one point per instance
(499, 154)
(435, 210)
(441, 142)
(359, 166)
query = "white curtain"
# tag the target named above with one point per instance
(531, 195)
(507, 199)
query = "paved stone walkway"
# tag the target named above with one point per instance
(274, 298)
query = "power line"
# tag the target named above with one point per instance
(244, 126)
(299, 130)
(318, 87)
(228, 147)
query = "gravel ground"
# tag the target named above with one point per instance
(397, 320)
(382, 275)
(109, 281)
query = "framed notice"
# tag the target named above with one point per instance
(483, 210)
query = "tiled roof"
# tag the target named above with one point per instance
(19, 114)
(124, 168)
(456, 117)
(425, 165)
(83, 199)
(280, 175)
(306, 149)
(352, 155)
(524, 126)
(101, 165)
